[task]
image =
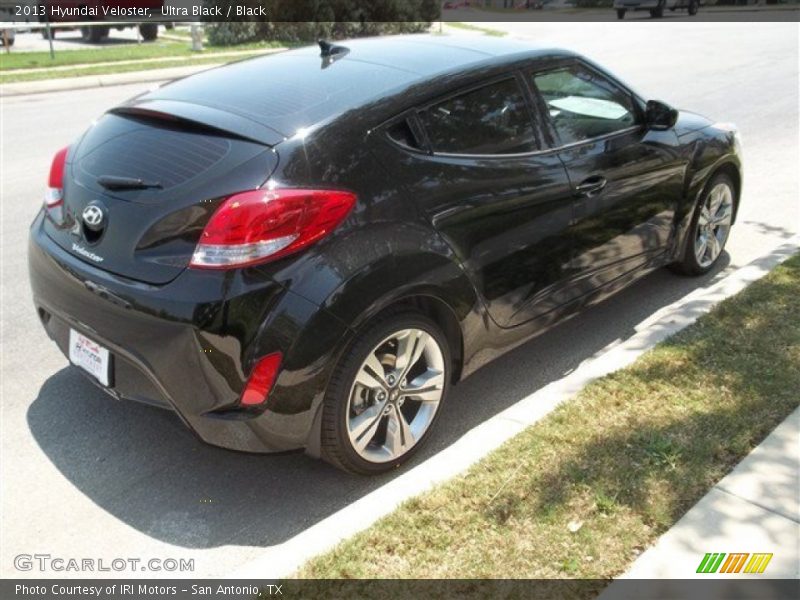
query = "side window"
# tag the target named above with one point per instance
(491, 120)
(582, 104)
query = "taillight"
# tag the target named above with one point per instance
(54, 194)
(261, 379)
(263, 225)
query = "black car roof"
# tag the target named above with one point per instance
(292, 90)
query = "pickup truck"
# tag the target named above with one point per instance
(101, 10)
(656, 7)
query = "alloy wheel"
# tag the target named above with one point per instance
(713, 224)
(396, 395)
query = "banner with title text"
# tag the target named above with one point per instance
(26, 12)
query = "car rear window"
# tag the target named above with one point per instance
(120, 146)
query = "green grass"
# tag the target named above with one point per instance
(471, 27)
(123, 68)
(583, 492)
(158, 49)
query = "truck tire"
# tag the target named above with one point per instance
(621, 13)
(94, 35)
(658, 12)
(149, 31)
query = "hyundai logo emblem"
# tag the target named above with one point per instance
(94, 217)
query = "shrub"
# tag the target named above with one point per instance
(309, 20)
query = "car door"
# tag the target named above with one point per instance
(504, 206)
(627, 180)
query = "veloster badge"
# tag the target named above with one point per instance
(87, 253)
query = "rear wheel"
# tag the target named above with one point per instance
(94, 35)
(657, 12)
(385, 394)
(149, 31)
(709, 228)
(621, 13)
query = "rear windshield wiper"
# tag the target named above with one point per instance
(111, 182)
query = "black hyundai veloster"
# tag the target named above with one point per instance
(305, 250)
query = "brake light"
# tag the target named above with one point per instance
(54, 193)
(261, 379)
(262, 225)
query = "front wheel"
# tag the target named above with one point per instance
(621, 13)
(385, 394)
(709, 228)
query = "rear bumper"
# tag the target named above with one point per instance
(190, 345)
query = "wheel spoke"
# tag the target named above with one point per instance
(409, 350)
(722, 216)
(427, 387)
(704, 217)
(398, 433)
(364, 427)
(713, 247)
(700, 249)
(714, 200)
(371, 374)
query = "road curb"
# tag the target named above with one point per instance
(282, 560)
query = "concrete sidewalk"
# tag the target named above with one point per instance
(754, 509)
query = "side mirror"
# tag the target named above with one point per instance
(660, 116)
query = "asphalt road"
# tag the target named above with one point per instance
(84, 476)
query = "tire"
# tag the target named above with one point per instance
(376, 408)
(658, 12)
(149, 31)
(621, 13)
(694, 6)
(692, 262)
(94, 35)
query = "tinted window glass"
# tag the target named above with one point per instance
(584, 105)
(491, 120)
(402, 134)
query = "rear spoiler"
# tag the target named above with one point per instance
(203, 116)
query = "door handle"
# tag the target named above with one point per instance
(591, 186)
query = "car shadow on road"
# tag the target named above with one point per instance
(145, 468)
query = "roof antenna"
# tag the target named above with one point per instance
(330, 53)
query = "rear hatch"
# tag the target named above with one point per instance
(186, 160)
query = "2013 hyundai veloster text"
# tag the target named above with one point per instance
(306, 250)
